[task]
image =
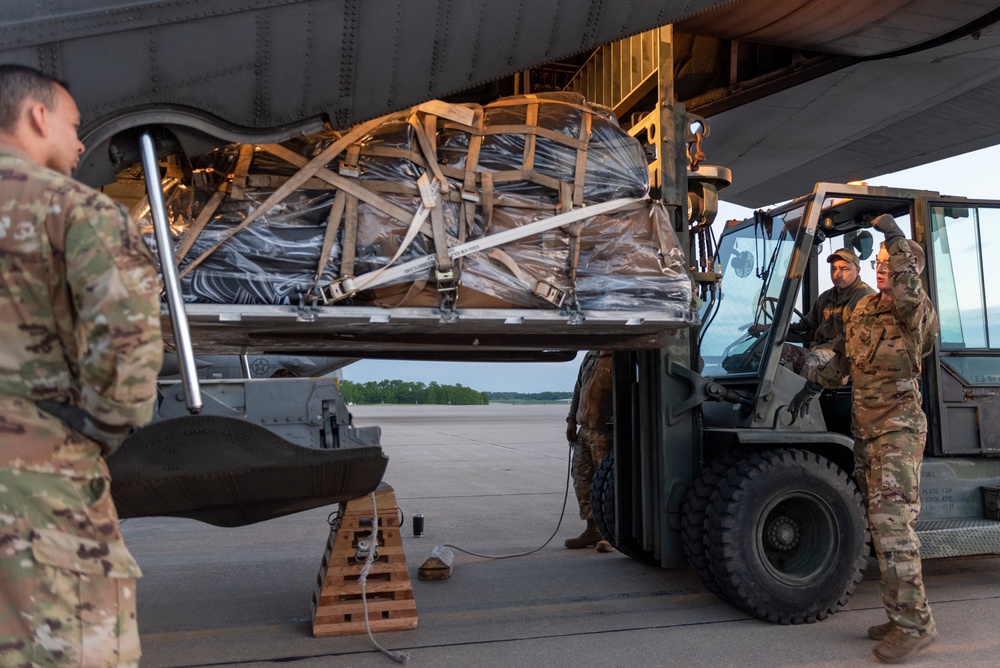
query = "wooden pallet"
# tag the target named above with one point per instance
(337, 608)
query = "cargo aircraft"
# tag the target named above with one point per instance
(794, 92)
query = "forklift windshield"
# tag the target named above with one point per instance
(754, 257)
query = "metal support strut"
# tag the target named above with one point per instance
(175, 303)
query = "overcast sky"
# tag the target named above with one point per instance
(974, 174)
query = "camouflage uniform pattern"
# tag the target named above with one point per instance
(79, 317)
(828, 315)
(825, 323)
(591, 407)
(882, 351)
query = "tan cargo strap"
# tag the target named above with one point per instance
(539, 288)
(519, 101)
(332, 225)
(349, 252)
(486, 188)
(425, 129)
(424, 121)
(470, 195)
(534, 131)
(580, 174)
(200, 222)
(351, 186)
(243, 160)
(350, 165)
(385, 275)
(348, 285)
(531, 121)
(394, 152)
(443, 271)
(310, 169)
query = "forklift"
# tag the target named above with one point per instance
(708, 466)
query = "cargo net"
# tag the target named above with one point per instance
(535, 201)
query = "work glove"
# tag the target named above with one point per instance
(799, 405)
(109, 436)
(571, 431)
(886, 224)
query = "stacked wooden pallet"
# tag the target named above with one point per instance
(337, 606)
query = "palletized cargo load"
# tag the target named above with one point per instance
(522, 224)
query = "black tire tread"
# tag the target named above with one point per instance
(693, 518)
(602, 504)
(724, 557)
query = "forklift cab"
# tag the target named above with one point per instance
(765, 507)
(773, 268)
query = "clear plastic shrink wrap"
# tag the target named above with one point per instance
(494, 170)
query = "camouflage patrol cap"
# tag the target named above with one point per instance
(845, 254)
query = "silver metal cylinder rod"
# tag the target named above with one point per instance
(245, 367)
(175, 303)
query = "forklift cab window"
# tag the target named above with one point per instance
(968, 296)
(754, 256)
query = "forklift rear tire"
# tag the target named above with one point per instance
(786, 536)
(602, 505)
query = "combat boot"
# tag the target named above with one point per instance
(879, 631)
(897, 646)
(589, 538)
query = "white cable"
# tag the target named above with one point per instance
(403, 657)
(398, 657)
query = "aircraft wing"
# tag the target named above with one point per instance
(921, 84)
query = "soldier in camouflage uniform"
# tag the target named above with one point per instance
(887, 336)
(79, 320)
(586, 430)
(825, 321)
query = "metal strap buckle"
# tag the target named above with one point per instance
(350, 171)
(550, 293)
(338, 290)
(349, 165)
(445, 280)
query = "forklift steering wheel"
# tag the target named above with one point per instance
(769, 306)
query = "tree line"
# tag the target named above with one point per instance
(530, 396)
(403, 392)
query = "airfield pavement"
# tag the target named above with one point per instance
(492, 479)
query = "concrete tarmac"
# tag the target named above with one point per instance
(492, 479)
